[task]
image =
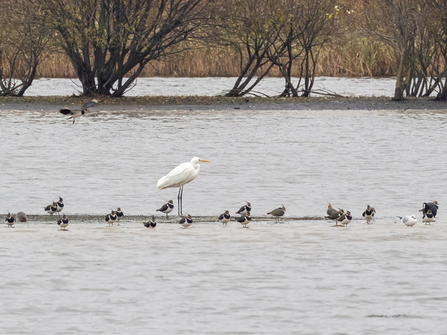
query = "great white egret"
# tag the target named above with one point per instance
(77, 113)
(179, 176)
(368, 214)
(225, 217)
(63, 223)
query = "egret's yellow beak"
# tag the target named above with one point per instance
(205, 161)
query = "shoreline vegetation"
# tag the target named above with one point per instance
(221, 102)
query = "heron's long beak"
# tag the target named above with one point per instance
(205, 161)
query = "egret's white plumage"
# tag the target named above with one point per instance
(179, 176)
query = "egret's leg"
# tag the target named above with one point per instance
(180, 200)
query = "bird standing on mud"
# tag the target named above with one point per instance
(246, 209)
(409, 220)
(51, 209)
(278, 212)
(225, 217)
(332, 213)
(78, 113)
(244, 220)
(179, 176)
(63, 223)
(60, 205)
(185, 221)
(151, 223)
(368, 214)
(428, 217)
(347, 218)
(432, 206)
(111, 218)
(9, 220)
(167, 208)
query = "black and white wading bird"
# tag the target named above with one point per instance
(409, 220)
(111, 218)
(185, 221)
(119, 214)
(369, 213)
(428, 217)
(150, 224)
(244, 220)
(63, 223)
(60, 205)
(278, 212)
(75, 113)
(345, 219)
(51, 209)
(246, 209)
(432, 206)
(180, 176)
(10, 220)
(225, 217)
(167, 208)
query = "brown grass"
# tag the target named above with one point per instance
(352, 58)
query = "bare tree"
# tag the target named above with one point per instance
(249, 27)
(109, 42)
(22, 43)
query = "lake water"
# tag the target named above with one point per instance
(301, 277)
(210, 86)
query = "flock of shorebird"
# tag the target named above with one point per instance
(339, 216)
(187, 172)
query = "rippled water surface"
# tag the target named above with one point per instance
(211, 86)
(302, 277)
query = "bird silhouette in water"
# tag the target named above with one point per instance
(78, 113)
